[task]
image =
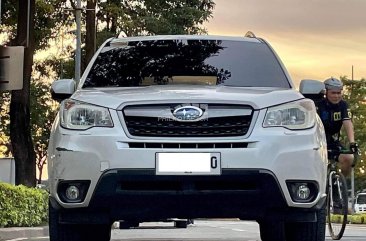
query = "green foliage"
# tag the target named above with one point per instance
(336, 218)
(5, 147)
(358, 218)
(22, 206)
(47, 19)
(354, 94)
(152, 17)
(43, 112)
(176, 16)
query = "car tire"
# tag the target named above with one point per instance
(272, 230)
(76, 232)
(128, 224)
(180, 224)
(307, 231)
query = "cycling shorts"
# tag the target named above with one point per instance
(333, 150)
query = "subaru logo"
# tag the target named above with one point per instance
(187, 113)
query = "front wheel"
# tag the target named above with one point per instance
(76, 232)
(307, 231)
(271, 230)
(337, 206)
(180, 224)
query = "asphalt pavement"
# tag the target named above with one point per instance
(20, 232)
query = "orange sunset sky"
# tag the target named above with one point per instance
(315, 39)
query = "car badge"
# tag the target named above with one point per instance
(187, 113)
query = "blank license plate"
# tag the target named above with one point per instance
(188, 163)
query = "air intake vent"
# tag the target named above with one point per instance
(188, 145)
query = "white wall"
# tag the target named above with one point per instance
(7, 170)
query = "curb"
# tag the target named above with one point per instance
(20, 232)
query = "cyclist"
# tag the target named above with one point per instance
(333, 111)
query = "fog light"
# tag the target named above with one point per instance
(303, 192)
(72, 193)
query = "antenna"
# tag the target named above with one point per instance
(250, 34)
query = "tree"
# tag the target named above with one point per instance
(20, 132)
(354, 94)
(90, 39)
(43, 112)
(40, 28)
(134, 17)
(148, 17)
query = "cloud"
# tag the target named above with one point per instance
(314, 38)
(291, 15)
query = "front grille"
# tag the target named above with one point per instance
(217, 126)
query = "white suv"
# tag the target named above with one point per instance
(186, 127)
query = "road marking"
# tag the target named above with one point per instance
(19, 239)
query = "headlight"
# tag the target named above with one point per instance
(295, 115)
(81, 116)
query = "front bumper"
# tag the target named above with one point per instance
(143, 196)
(95, 154)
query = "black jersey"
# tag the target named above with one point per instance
(332, 116)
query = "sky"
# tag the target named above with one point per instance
(315, 39)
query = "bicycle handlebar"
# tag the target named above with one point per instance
(347, 151)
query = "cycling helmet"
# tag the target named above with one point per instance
(333, 84)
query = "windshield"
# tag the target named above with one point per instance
(193, 62)
(361, 199)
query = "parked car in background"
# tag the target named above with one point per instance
(360, 203)
(186, 127)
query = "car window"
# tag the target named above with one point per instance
(193, 62)
(361, 199)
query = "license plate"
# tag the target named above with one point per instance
(188, 163)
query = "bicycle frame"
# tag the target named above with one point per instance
(330, 186)
(337, 187)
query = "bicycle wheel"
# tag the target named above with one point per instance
(337, 206)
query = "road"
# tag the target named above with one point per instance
(203, 230)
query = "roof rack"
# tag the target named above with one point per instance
(250, 34)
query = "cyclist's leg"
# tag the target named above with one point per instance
(345, 162)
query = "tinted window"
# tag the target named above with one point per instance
(361, 199)
(195, 62)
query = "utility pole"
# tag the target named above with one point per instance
(352, 72)
(0, 11)
(78, 42)
(353, 169)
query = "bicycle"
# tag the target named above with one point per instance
(337, 199)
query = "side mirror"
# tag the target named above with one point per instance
(312, 89)
(62, 89)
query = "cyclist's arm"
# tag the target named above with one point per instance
(348, 126)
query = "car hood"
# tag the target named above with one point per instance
(256, 97)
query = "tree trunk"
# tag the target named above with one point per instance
(40, 169)
(90, 32)
(20, 128)
(114, 25)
